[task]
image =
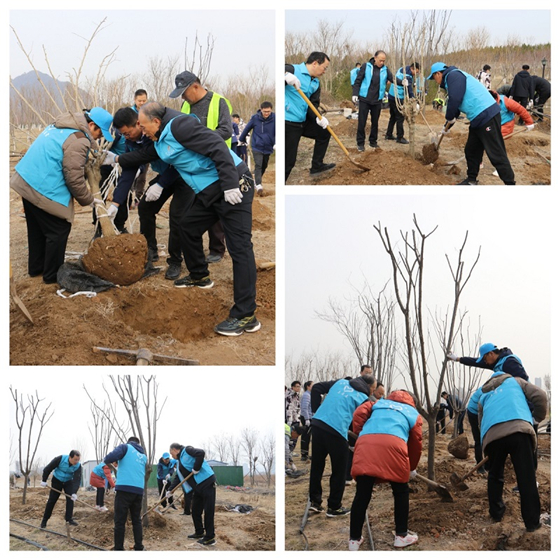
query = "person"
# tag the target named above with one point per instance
(300, 119)
(541, 95)
(329, 435)
(263, 140)
(66, 480)
(404, 79)
(139, 185)
(235, 132)
(305, 419)
(484, 76)
(241, 146)
(522, 89)
(454, 404)
(506, 410)
(354, 72)
(379, 393)
(466, 94)
(140, 98)
(293, 408)
(168, 183)
(472, 416)
(49, 177)
(202, 484)
(214, 112)
(441, 416)
(165, 470)
(508, 109)
(129, 487)
(368, 92)
(388, 449)
(223, 188)
(99, 478)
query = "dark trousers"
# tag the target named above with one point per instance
(47, 237)
(187, 502)
(523, 101)
(396, 118)
(305, 440)
(140, 182)
(326, 444)
(261, 164)
(307, 129)
(349, 464)
(100, 497)
(204, 502)
(460, 421)
(147, 212)
(364, 488)
(364, 110)
(473, 421)
(520, 448)
(126, 502)
(160, 486)
(237, 223)
(65, 487)
(217, 239)
(489, 139)
(440, 422)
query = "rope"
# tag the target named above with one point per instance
(87, 294)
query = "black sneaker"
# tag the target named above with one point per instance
(207, 541)
(391, 137)
(72, 522)
(43, 524)
(316, 507)
(196, 536)
(338, 512)
(211, 258)
(235, 327)
(173, 506)
(533, 529)
(467, 182)
(361, 149)
(173, 272)
(373, 145)
(153, 255)
(188, 282)
(322, 169)
(402, 141)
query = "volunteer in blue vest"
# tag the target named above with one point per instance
(214, 112)
(368, 92)
(168, 183)
(140, 98)
(202, 485)
(506, 410)
(49, 177)
(388, 449)
(300, 119)
(472, 415)
(329, 437)
(100, 478)
(465, 94)
(131, 474)
(404, 79)
(354, 72)
(66, 478)
(165, 470)
(224, 190)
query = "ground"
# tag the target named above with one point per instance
(234, 531)
(463, 524)
(150, 313)
(391, 163)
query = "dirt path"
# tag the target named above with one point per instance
(391, 164)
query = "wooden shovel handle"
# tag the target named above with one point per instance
(476, 467)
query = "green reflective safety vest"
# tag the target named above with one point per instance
(213, 117)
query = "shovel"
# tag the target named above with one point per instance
(163, 499)
(440, 489)
(16, 299)
(459, 482)
(430, 152)
(318, 115)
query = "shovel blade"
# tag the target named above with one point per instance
(458, 482)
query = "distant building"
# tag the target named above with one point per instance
(538, 382)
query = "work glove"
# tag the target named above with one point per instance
(448, 125)
(530, 127)
(530, 104)
(355, 99)
(404, 82)
(417, 107)
(452, 357)
(97, 202)
(308, 422)
(292, 80)
(233, 196)
(167, 477)
(195, 472)
(74, 497)
(413, 474)
(153, 192)
(168, 495)
(110, 158)
(322, 122)
(274, 147)
(43, 484)
(112, 211)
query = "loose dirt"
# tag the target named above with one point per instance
(392, 163)
(463, 524)
(234, 531)
(150, 313)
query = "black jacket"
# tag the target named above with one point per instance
(522, 85)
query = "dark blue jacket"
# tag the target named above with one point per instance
(263, 138)
(508, 363)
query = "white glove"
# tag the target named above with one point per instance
(355, 99)
(168, 495)
(404, 82)
(530, 127)
(413, 474)
(110, 158)
(195, 472)
(530, 104)
(417, 107)
(322, 122)
(112, 211)
(452, 356)
(447, 126)
(167, 477)
(274, 147)
(43, 484)
(153, 192)
(74, 497)
(308, 422)
(97, 202)
(233, 196)
(292, 80)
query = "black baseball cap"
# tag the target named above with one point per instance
(182, 82)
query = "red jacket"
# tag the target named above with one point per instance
(98, 482)
(386, 457)
(518, 109)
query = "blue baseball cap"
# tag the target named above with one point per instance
(103, 119)
(484, 349)
(166, 456)
(436, 67)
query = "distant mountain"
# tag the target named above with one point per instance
(28, 82)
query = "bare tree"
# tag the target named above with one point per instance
(220, 445)
(267, 447)
(318, 366)
(30, 422)
(234, 449)
(249, 439)
(200, 59)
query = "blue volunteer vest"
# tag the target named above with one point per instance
(166, 469)
(353, 74)
(472, 407)
(132, 468)
(367, 81)
(476, 99)
(65, 471)
(506, 402)
(41, 166)
(505, 114)
(295, 107)
(197, 171)
(188, 462)
(498, 366)
(391, 418)
(400, 89)
(337, 409)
